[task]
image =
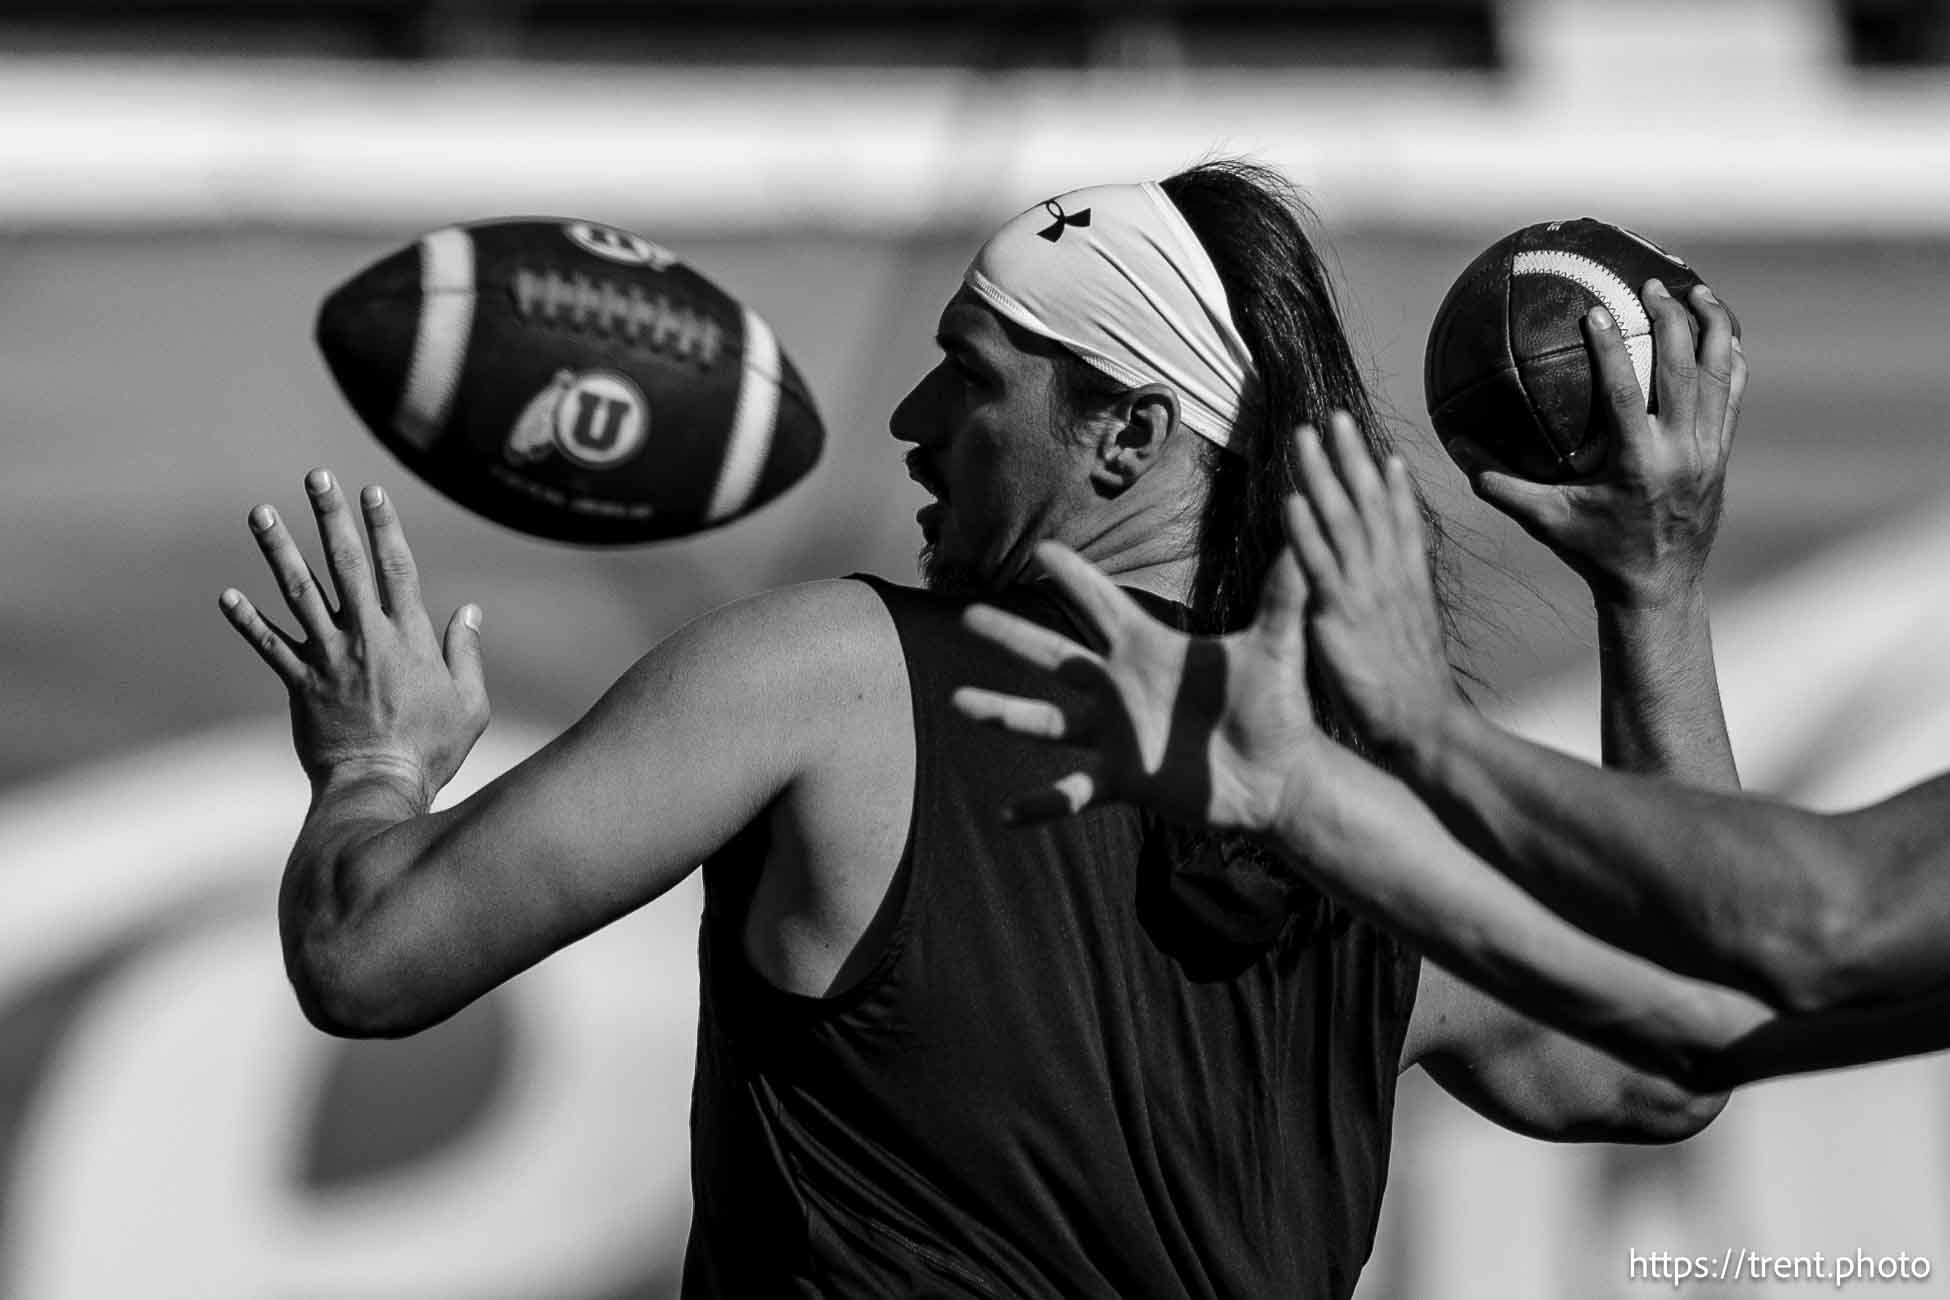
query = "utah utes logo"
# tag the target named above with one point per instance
(618, 245)
(596, 418)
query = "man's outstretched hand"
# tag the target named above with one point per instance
(1362, 546)
(373, 690)
(1201, 729)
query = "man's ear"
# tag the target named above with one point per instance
(1146, 419)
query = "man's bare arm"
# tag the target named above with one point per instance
(1367, 840)
(394, 917)
(1659, 695)
(1806, 911)
(1640, 531)
(1526, 1076)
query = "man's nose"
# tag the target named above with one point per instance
(913, 418)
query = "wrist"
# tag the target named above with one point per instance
(1410, 741)
(397, 777)
(1664, 631)
(1310, 783)
(1423, 759)
(1658, 596)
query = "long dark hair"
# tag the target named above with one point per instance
(1252, 223)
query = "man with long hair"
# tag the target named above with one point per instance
(939, 1055)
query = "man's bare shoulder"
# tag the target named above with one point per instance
(832, 625)
(791, 661)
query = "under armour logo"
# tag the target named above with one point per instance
(1063, 221)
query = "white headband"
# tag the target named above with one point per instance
(1114, 274)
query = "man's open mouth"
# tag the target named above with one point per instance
(920, 474)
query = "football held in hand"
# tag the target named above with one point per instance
(1506, 365)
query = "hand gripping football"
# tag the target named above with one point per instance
(1506, 364)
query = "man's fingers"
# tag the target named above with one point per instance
(1714, 377)
(295, 579)
(1736, 391)
(1034, 645)
(270, 641)
(1359, 477)
(345, 549)
(1675, 368)
(1064, 798)
(1411, 534)
(1103, 605)
(1618, 390)
(1339, 522)
(1317, 562)
(399, 577)
(1038, 719)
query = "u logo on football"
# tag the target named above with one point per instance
(600, 419)
(618, 245)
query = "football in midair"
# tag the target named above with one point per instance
(570, 380)
(1506, 364)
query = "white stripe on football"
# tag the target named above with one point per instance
(440, 344)
(1604, 285)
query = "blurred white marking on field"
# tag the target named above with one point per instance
(160, 1157)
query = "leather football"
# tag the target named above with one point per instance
(571, 380)
(1506, 363)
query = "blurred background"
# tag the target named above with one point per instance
(180, 183)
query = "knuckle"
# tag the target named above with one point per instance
(297, 584)
(398, 569)
(345, 556)
(1624, 394)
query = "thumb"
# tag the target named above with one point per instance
(1283, 602)
(462, 647)
(1534, 505)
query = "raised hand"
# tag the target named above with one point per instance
(1639, 532)
(1359, 537)
(1201, 729)
(371, 686)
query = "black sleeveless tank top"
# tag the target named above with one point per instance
(1065, 1075)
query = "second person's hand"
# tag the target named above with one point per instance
(1371, 613)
